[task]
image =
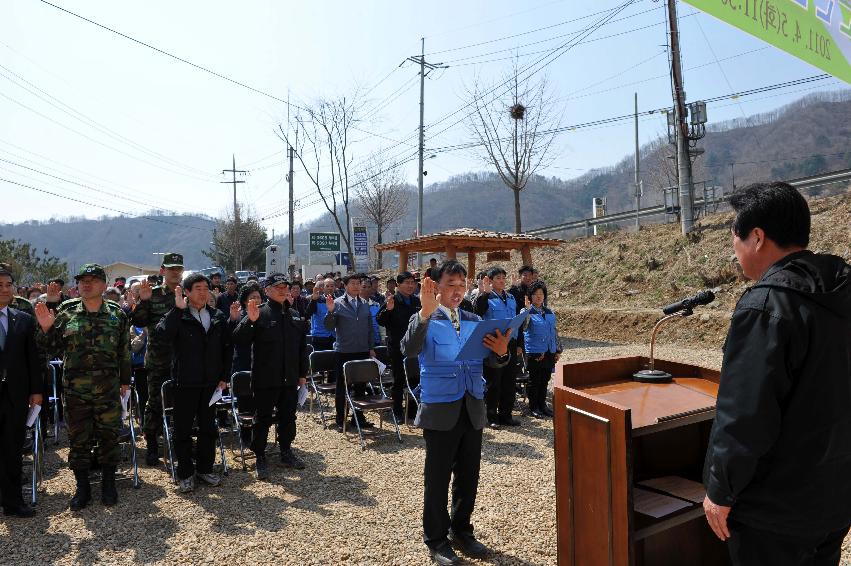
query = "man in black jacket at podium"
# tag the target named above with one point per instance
(778, 466)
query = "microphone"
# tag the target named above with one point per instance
(687, 304)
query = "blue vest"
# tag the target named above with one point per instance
(373, 313)
(541, 335)
(442, 379)
(317, 322)
(138, 359)
(497, 309)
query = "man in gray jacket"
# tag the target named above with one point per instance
(350, 318)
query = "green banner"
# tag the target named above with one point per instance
(817, 31)
(324, 242)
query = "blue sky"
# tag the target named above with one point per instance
(132, 129)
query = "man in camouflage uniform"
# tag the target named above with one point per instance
(153, 304)
(91, 335)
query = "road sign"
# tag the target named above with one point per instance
(361, 248)
(817, 31)
(324, 242)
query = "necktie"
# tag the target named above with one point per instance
(2, 331)
(453, 316)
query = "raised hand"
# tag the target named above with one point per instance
(390, 302)
(528, 302)
(429, 299)
(486, 285)
(314, 295)
(329, 302)
(253, 310)
(235, 312)
(514, 279)
(44, 316)
(145, 290)
(54, 292)
(497, 342)
(179, 299)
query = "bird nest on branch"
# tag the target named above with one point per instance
(517, 111)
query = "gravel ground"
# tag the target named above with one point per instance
(347, 507)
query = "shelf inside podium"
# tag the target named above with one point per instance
(660, 406)
(646, 526)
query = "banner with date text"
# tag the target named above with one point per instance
(817, 31)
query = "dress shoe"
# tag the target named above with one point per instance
(290, 460)
(444, 555)
(546, 410)
(261, 468)
(537, 414)
(510, 421)
(493, 425)
(338, 427)
(468, 545)
(23, 511)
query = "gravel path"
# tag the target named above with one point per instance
(347, 507)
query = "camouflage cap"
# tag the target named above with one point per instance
(93, 269)
(172, 259)
(275, 279)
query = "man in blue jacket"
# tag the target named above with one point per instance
(452, 410)
(778, 465)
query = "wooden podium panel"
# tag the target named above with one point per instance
(611, 433)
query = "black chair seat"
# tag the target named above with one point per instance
(372, 402)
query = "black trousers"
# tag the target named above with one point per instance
(456, 453)
(140, 383)
(12, 431)
(754, 547)
(501, 387)
(539, 377)
(340, 392)
(321, 344)
(191, 404)
(397, 363)
(284, 400)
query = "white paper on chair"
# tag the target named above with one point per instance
(125, 400)
(302, 395)
(33, 415)
(654, 504)
(381, 367)
(217, 394)
(679, 487)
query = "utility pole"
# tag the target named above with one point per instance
(290, 262)
(637, 181)
(425, 67)
(686, 188)
(237, 254)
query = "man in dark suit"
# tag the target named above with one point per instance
(20, 388)
(452, 410)
(395, 315)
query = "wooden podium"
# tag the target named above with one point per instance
(612, 433)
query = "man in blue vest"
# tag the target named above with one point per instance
(323, 339)
(493, 303)
(452, 410)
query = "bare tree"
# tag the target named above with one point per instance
(382, 197)
(515, 132)
(320, 140)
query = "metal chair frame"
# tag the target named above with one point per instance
(54, 399)
(36, 461)
(410, 394)
(350, 402)
(319, 371)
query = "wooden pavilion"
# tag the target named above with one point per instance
(471, 241)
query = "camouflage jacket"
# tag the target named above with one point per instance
(89, 342)
(147, 314)
(23, 305)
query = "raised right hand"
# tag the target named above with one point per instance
(145, 290)
(428, 297)
(314, 295)
(390, 302)
(486, 286)
(235, 313)
(253, 310)
(179, 299)
(329, 302)
(44, 316)
(54, 292)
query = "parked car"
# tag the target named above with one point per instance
(242, 276)
(209, 271)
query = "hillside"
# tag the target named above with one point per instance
(803, 138)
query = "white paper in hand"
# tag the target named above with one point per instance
(125, 399)
(381, 367)
(302, 395)
(33, 415)
(217, 394)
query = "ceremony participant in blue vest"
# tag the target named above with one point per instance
(542, 346)
(323, 339)
(278, 368)
(493, 303)
(451, 412)
(366, 295)
(350, 319)
(20, 388)
(394, 317)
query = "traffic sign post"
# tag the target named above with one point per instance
(324, 242)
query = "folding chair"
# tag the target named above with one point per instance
(412, 373)
(322, 364)
(168, 426)
(242, 408)
(521, 381)
(53, 400)
(127, 438)
(385, 381)
(366, 372)
(36, 460)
